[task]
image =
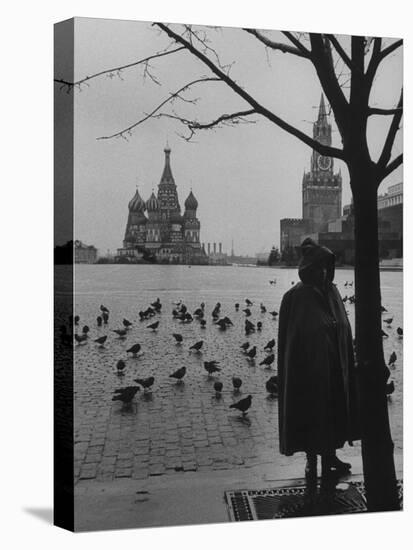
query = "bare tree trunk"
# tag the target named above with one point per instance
(377, 444)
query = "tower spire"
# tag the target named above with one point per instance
(322, 109)
(167, 176)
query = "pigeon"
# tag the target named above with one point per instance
(222, 324)
(199, 312)
(248, 302)
(249, 327)
(237, 383)
(202, 306)
(228, 321)
(135, 349)
(383, 309)
(121, 332)
(218, 388)
(153, 326)
(259, 325)
(390, 388)
(76, 319)
(263, 308)
(242, 405)
(400, 332)
(101, 340)
(99, 321)
(211, 367)
(104, 309)
(126, 323)
(344, 300)
(202, 323)
(247, 312)
(178, 374)
(126, 394)
(270, 345)
(178, 337)
(85, 329)
(120, 365)
(105, 317)
(79, 339)
(392, 359)
(384, 334)
(388, 321)
(237, 306)
(252, 352)
(197, 346)
(245, 346)
(274, 314)
(268, 361)
(271, 386)
(215, 313)
(146, 383)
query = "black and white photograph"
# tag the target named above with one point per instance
(228, 271)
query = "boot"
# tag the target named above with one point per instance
(311, 469)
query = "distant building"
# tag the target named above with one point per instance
(165, 235)
(216, 256)
(322, 218)
(390, 208)
(321, 191)
(262, 258)
(85, 254)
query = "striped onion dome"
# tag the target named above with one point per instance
(137, 204)
(152, 203)
(191, 203)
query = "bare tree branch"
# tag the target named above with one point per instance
(173, 96)
(260, 109)
(223, 120)
(285, 48)
(117, 70)
(378, 111)
(324, 65)
(297, 43)
(374, 61)
(391, 136)
(387, 51)
(340, 50)
(391, 167)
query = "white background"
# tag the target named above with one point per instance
(26, 270)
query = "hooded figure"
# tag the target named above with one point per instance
(316, 371)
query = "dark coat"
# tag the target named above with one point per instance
(318, 406)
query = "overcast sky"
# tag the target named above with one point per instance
(245, 178)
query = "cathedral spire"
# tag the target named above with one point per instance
(322, 109)
(167, 176)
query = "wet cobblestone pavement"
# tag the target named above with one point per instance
(186, 427)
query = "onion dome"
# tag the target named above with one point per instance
(152, 203)
(191, 203)
(137, 204)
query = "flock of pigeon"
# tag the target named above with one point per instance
(181, 314)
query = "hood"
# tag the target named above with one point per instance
(314, 257)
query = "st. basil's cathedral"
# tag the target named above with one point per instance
(164, 235)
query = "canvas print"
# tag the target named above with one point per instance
(228, 274)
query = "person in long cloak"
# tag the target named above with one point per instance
(318, 405)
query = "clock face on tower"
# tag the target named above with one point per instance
(324, 163)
